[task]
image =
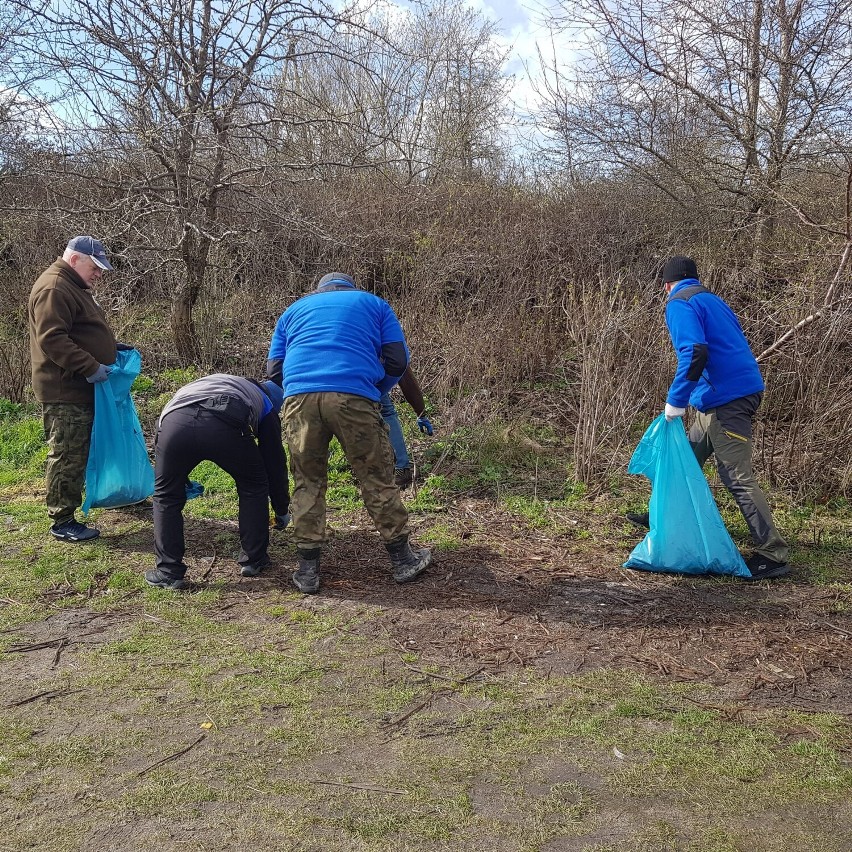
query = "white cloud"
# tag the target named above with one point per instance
(523, 32)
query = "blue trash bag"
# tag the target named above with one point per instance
(687, 535)
(119, 472)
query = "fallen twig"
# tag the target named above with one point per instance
(23, 649)
(430, 674)
(838, 629)
(171, 756)
(206, 574)
(62, 644)
(425, 703)
(415, 709)
(47, 695)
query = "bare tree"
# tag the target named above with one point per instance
(159, 108)
(417, 95)
(702, 97)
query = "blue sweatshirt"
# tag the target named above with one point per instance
(714, 362)
(331, 340)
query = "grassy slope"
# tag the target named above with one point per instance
(305, 732)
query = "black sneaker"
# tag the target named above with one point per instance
(73, 531)
(157, 578)
(764, 568)
(253, 569)
(402, 477)
(639, 519)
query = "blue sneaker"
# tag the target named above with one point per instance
(73, 531)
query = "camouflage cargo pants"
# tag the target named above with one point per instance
(726, 432)
(311, 420)
(68, 431)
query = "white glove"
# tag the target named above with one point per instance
(672, 412)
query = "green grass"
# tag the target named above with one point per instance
(300, 701)
(22, 448)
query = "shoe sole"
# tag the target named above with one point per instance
(771, 575)
(74, 539)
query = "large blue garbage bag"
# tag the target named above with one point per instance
(687, 535)
(119, 471)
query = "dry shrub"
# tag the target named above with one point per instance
(612, 376)
(804, 445)
(518, 303)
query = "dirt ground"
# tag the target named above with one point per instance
(552, 602)
(526, 602)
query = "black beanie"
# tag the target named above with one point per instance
(677, 268)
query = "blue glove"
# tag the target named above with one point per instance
(100, 375)
(424, 425)
(281, 522)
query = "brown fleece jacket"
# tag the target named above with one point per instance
(69, 336)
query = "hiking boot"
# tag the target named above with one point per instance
(306, 578)
(402, 477)
(639, 519)
(157, 578)
(252, 569)
(407, 563)
(73, 531)
(764, 568)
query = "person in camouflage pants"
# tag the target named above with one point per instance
(311, 421)
(336, 351)
(72, 348)
(68, 432)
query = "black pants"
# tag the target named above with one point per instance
(186, 437)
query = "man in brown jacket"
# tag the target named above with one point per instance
(71, 349)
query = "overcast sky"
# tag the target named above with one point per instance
(519, 24)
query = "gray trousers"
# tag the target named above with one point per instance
(726, 432)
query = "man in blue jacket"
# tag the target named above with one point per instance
(718, 375)
(335, 352)
(410, 387)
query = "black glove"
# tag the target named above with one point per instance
(123, 347)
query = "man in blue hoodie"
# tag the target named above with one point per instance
(336, 351)
(719, 376)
